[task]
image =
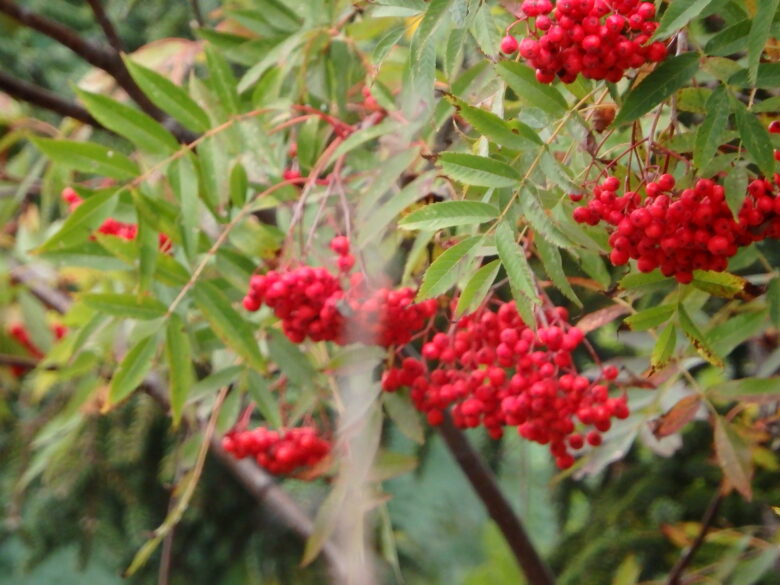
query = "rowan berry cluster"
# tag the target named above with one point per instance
(111, 226)
(496, 371)
(680, 232)
(601, 39)
(311, 302)
(280, 452)
(20, 334)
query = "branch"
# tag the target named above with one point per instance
(498, 507)
(106, 24)
(33, 280)
(44, 98)
(99, 56)
(706, 522)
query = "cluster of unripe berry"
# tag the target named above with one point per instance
(21, 335)
(311, 302)
(279, 452)
(496, 371)
(680, 232)
(111, 226)
(600, 39)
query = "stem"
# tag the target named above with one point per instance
(38, 96)
(106, 24)
(706, 523)
(484, 483)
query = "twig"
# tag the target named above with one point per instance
(102, 57)
(44, 98)
(706, 522)
(484, 483)
(198, 13)
(106, 24)
(50, 297)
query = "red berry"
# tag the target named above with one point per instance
(509, 45)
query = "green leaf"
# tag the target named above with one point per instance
(522, 80)
(730, 40)
(719, 284)
(709, 136)
(767, 77)
(628, 572)
(649, 318)
(756, 139)
(259, 391)
(291, 360)
(217, 380)
(664, 347)
(169, 97)
(139, 128)
(733, 457)
(178, 353)
(552, 263)
(541, 223)
(773, 300)
(84, 220)
(404, 415)
(747, 390)
(678, 14)
(517, 136)
(449, 214)
(434, 14)
(88, 157)
(388, 465)
(238, 184)
(133, 369)
(222, 81)
(475, 170)
(444, 272)
(696, 337)
(183, 177)
(477, 288)
(521, 278)
(125, 305)
(661, 84)
(760, 29)
(735, 184)
(231, 327)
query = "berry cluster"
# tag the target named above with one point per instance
(111, 226)
(496, 371)
(600, 39)
(312, 303)
(680, 232)
(280, 452)
(20, 334)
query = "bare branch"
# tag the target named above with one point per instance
(498, 507)
(104, 58)
(105, 23)
(43, 98)
(706, 523)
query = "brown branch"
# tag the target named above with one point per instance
(34, 282)
(106, 24)
(498, 507)
(43, 98)
(706, 523)
(196, 9)
(17, 360)
(99, 56)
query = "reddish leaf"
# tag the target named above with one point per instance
(677, 417)
(596, 319)
(734, 458)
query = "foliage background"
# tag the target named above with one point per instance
(104, 481)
